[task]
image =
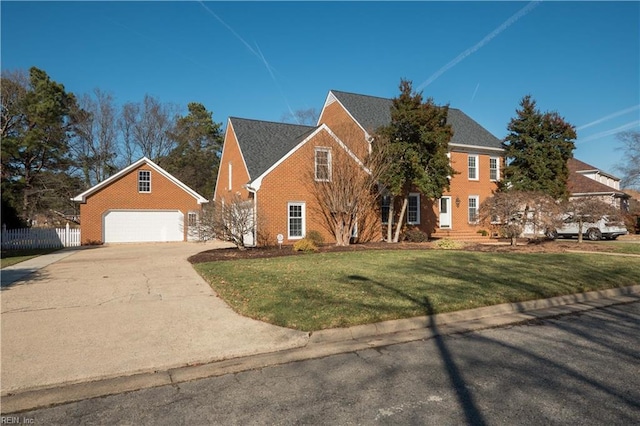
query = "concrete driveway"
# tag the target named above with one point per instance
(118, 310)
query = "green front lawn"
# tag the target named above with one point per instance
(11, 257)
(327, 290)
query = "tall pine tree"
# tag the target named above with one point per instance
(537, 149)
(196, 157)
(418, 141)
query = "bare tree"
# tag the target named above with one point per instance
(230, 220)
(346, 190)
(96, 144)
(307, 116)
(504, 211)
(630, 167)
(585, 210)
(145, 127)
(512, 212)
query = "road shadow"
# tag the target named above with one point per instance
(465, 397)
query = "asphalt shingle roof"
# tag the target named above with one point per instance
(577, 183)
(372, 112)
(263, 143)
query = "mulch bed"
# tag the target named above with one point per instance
(524, 246)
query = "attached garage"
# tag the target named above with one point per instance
(128, 226)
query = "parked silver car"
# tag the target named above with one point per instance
(602, 229)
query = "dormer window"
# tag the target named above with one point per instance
(144, 181)
(323, 164)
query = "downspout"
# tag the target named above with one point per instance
(254, 191)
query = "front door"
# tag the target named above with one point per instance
(445, 212)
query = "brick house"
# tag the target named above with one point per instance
(141, 203)
(271, 163)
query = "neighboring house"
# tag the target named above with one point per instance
(272, 164)
(141, 203)
(588, 181)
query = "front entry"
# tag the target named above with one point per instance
(445, 212)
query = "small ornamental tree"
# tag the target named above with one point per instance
(231, 220)
(585, 210)
(537, 149)
(513, 211)
(417, 142)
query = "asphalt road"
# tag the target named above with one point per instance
(577, 369)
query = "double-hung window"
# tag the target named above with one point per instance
(413, 209)
(323, 164)
(386, 202)
(473, 167)
(295, 219)
(144, 181)
(473, 208)
(494, 168)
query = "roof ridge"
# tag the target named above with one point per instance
(384, 98)
(272, 122)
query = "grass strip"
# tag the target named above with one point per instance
(12, 257)
(329, 290)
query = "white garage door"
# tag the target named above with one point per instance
(132, 226)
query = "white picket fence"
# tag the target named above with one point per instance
(35, 238)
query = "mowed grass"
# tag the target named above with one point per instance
(327, 290)
(12, 257)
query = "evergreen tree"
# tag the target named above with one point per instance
(418, 141)
(537, 149)
(196, 157)
(36, 127)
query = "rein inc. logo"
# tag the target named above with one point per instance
(15, 420)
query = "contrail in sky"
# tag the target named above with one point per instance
(256, 52)
(609, 117)
(522, 12)
(474, 92)
(610, 132)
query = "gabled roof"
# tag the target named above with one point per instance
(578, 183)
(83, 197)
(263, 143)
(578, 166)
(372, 112)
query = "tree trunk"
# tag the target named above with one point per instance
(580, 226)
(403, 210)
(514, 240)
(390, 219)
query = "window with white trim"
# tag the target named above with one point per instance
(474, 200)
(192, 219)
(323, 164)
(473, 167)
(413, 209)
(295, 220)
(144, 181)
(494, 168)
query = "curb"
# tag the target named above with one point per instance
(329, 342)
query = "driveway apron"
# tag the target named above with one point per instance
(118, 310)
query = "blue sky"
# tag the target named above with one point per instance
(262, 59)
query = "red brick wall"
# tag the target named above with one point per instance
(123, 194)
(462, 188)
(292, 181)
(239, 175)
(343, 126)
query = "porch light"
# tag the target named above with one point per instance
(457, 201)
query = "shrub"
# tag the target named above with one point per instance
(449, 244)
(305, 245)
(415, 235)
(316, 237)
(483, 232)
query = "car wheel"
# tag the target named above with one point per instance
(551, 234)
(593, 234)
